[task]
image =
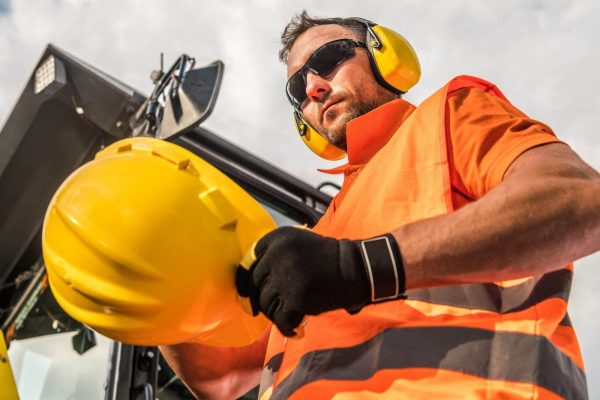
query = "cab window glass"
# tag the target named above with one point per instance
(55, 357)
(280, 218)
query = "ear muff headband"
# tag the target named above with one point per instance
(314, 141)
(396, 67)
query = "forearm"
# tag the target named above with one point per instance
(217, 372)
(521, 228)
(543, 215)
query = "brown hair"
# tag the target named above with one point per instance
(302, 22)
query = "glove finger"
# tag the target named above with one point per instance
(269, 299)
(280, 235)
(254, 295)
(263, 243)
(261, 269)
(287, 321)
(264, 297)
(272, 247)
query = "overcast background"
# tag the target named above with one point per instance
(543, 55)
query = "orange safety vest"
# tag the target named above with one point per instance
(503, 340)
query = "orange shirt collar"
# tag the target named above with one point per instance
(368, 133)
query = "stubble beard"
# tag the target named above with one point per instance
(337, 137)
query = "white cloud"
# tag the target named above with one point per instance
(542, 55)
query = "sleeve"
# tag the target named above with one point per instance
(485, 135)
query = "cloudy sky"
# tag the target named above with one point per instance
(543, 55)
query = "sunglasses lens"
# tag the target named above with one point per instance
(296, 89)
(326, 58)
(322, 62)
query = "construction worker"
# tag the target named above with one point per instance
(441, 269)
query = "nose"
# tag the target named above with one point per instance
(317, 88)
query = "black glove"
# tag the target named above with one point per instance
(298, 272)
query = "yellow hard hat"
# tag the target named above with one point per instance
(142, 243)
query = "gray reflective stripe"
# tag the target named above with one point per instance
(275, 362)
(269, 372)
(490, 297)
(507, 356)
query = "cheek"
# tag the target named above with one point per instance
(357, 81)
(311, 112)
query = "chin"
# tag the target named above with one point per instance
(335, 132)
(337, 137)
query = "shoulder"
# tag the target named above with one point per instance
(485, 133)
(465, 92)
(468, 82)
(468, 95)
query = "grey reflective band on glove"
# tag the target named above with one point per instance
(383, 263)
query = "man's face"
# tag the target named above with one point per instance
(346, 93)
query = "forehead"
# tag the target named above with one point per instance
(311, 40)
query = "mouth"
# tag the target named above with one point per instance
(326, 107)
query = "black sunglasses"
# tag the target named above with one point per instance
(322, 62)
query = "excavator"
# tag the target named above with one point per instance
(67, 112)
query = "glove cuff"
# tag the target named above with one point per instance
(384, 268)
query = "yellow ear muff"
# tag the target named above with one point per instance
(395, 60)
(315, 142)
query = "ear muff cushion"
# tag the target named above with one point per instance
(315, 142)
(395, 60)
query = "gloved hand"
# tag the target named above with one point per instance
(298, 273)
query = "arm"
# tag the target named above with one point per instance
(217, 372)
(542, 216)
